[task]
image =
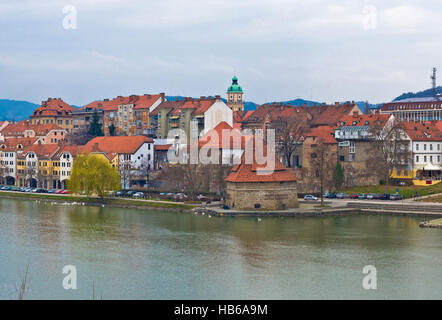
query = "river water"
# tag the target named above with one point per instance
(139, 254)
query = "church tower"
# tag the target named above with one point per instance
(235, 96)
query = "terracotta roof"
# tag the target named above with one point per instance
(74, 150)
(116, 144)
(274, 112)
(163, 147)
(324, 133)
(418, 131)
(329, 115)
(43, 151)
(18, 129)
(53, 107)
(199, 106)
(140, 102)
(254, 172)
(11, 144)
(208, 140)
(364, 120)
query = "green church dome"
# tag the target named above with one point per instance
(235, 87)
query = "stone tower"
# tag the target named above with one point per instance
(235, 96)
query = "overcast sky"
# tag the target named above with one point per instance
(280, 49)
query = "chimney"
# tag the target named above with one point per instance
(163, 96)
(217, 98)
(355, 114)
(95, 147)
(202, 97)
(336, 103)
(106, 100)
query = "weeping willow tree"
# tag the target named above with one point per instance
(92, 174)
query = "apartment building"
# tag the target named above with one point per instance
(54, 111)
(415, 109)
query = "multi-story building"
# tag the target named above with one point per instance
(82, 118)
(426, 152)
(354, 135)
(54, 111)
(126, 115)
(133, 156)
(9, 150)
(415, 109)
(235, 95)
(35, 167)
(205, 113)
(45, 133)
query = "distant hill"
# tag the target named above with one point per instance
(420, 94)
(16, 110)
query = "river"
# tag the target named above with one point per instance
(138, 254)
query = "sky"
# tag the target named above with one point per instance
(326, 51)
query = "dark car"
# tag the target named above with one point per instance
(385, 196)
(362, 196)
(330, 195)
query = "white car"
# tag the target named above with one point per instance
(310, 197)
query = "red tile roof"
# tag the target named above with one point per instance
(163, 147)
(53, 107)
(418, 131)
(43, 151)
(329, 115)
(11, 144)
(18, 129)
(140, 102)
(323, 133)
(364, 120)
(116, 144)
(74, 150)
(217, 138)
(255, 172)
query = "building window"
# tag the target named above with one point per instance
(417, 146)
(417, 159)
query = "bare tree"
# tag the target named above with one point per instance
(125, 169)
(389, 150)
(323, 163)
(288, 132)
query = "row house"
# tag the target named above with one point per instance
(133, 156)
(205, 113)
(54, 111)
(36, 167)
(126, 115)
(9, 150)
(45, 133)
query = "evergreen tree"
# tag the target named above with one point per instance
(112, 130)
(95, 129)
(338, 176)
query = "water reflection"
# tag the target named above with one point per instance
(143, 254)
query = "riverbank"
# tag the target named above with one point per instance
(93, 201)
(432, 224)
(347, 208)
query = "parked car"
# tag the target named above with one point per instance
(180, 196)
(202, 198)
(354, 196)
(5, 188)
(362, 196)
(41, 190)
(330, 195)
(138, 195)
(53, 191)
(341, 195)
(119, 193)
(396, 197)
(385, 196)
(310, 197)
(28, 190)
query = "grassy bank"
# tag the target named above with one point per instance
(406, 192)
(97, 201)
(436, 199)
